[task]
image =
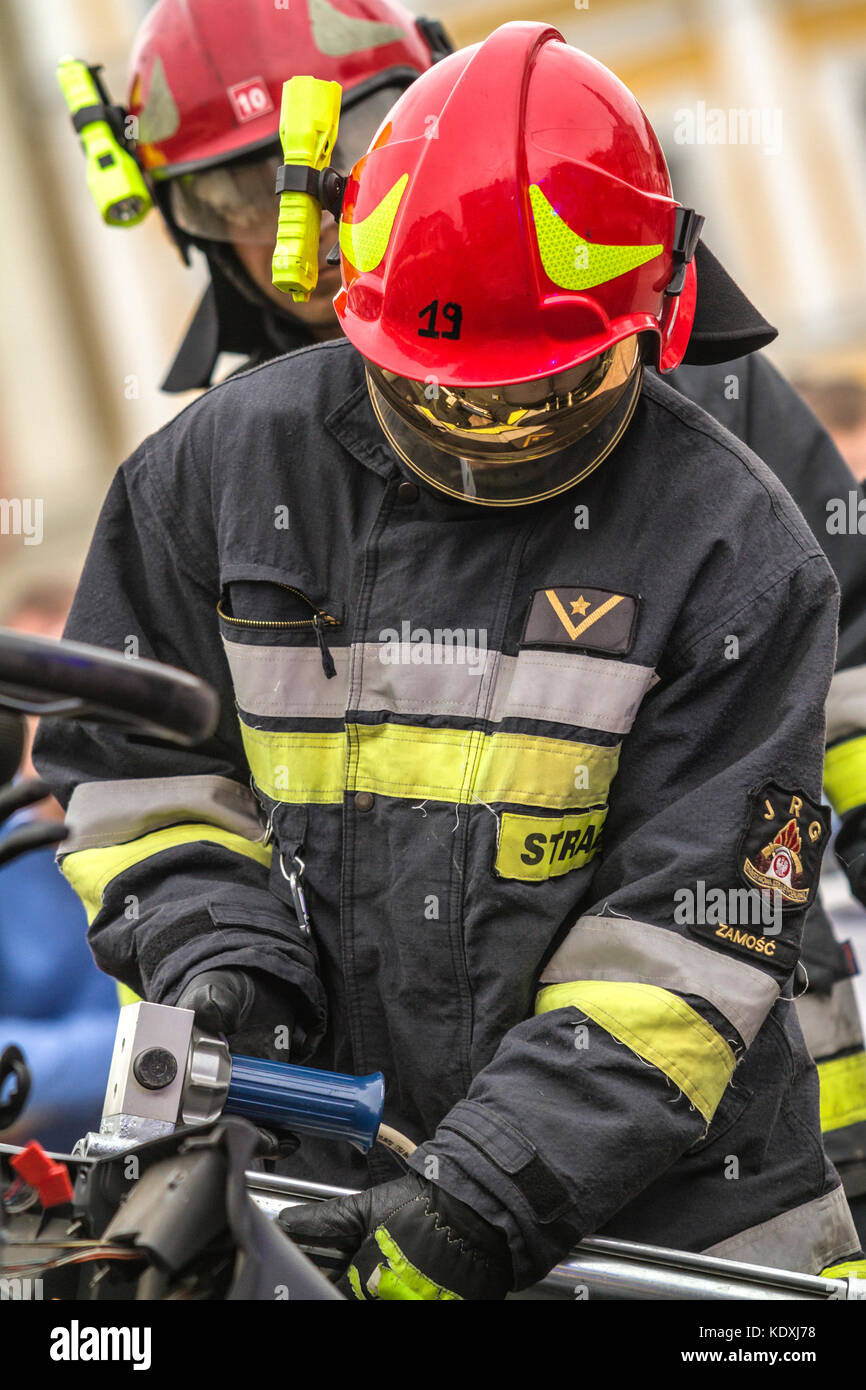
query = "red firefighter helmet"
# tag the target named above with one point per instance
(514, 219)
(207, 76)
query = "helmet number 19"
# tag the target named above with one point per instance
(450, 311)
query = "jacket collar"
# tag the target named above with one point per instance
(352, 422)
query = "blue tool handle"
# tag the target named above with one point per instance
(324, 1103)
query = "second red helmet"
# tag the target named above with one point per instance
(206, 76)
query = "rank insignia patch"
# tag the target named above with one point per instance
(782, 845)
(589, 619)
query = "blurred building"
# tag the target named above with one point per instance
(760, 104)
(761, 108)
(90, 314)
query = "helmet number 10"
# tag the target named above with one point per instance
(450, 311)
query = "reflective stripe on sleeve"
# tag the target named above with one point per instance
(810, 1237)
(846, 704)
(659, 1028)
(111, 813)
(843, 1091)
(845, 774)
(89, 871)
(831, 1022)
(617, 948)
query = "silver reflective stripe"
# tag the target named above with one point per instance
(618, 948)
(567, 688)
(808, 1238)
(288, 682)
(113, 813)
(421, 678)
(846, 704)
(831, 1022)
(429, 678)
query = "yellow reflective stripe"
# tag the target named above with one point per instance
(459, 765)
(304, 768)
(571, 261)
(453, 765)
(364, 243)
(534, 848)
(91, 870)
(659, 1027)
(843, 1091)
(126, 996)
(399, 1279)
(853, 1268)
(845, 774)
(355, 1284)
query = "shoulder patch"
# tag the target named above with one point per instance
(581, 618)
(782, 845)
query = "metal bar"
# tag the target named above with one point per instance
(599, 1267)
(603, 1268)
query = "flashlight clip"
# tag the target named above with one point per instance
(103, 110)
(327, 186)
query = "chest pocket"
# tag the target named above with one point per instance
(282, 643)
(282, 609)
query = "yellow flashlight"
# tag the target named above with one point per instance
(114, 178)
(309, 119)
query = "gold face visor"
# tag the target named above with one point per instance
(507, 445)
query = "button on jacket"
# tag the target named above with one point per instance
(507, 746)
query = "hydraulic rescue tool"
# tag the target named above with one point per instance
(166, 1073)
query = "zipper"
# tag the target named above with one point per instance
(319, 621)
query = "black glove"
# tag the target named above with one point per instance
(253, 1010)
(851, 850)
(406, 1239)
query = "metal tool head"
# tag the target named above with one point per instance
(164, 1072)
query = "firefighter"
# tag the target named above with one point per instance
(204, 98)
(205, 93)
(212, 165)
(208, 143)
(523, 661)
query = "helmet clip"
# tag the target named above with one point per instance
(687, 234)
(435, 36)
